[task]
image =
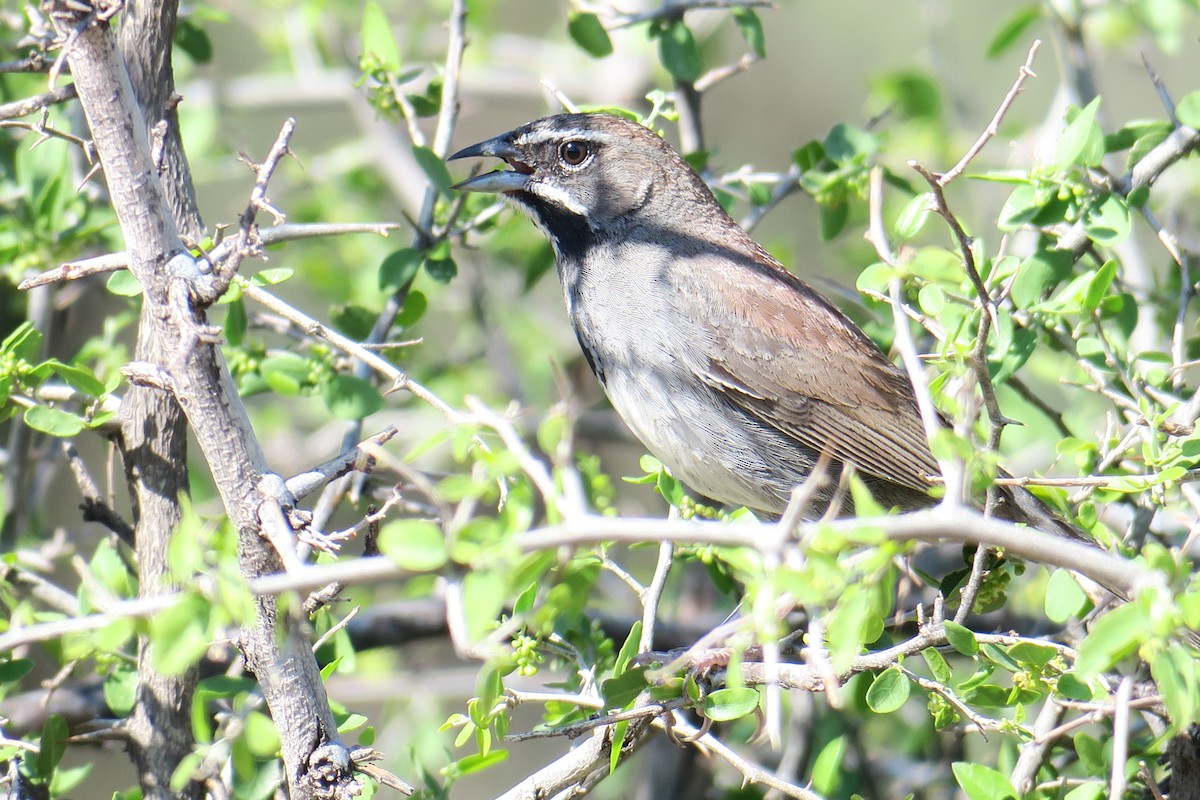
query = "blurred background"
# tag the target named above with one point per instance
(497, 329)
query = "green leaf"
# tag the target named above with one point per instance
(1175, 674)
(1070, 686)
(827, 766)
(587, 31)
(912, 217)
(1145, 143)
(123, 284)
(120, 691)
(262, 735)
(68, 778)
(1014, 29)
(679, 53)
(833, 218)
(79, 378)
(480, 762)
(53, 421)
(236, 322)
(724, 705)
(415, 305)
(526, 599)
(938, 667)
(809, 156)
(285, 373)
(353, 320)
(433, 167)
(14, 670)
(629, 648)
(982, 783)
(961, 639)
(1108, 222)
(179, 634)
(1113, 636)
(1098, 286)
(889, 691)
(931, 299)
(273, 276)
(752, 30)
(1187, 110)
(846, 143)
(378, 43)
(51, 745)
(193, 40)
(441, 270)
(25, 343)
(1064, 598)
(1038, 274)
(618, 742)
(1020, 208)
(1082, 142)
(399, 268)
(759, 193)
(414, 544)
(669, 488)
(1020, 347)
(483, 598)
(1092, 790)
(183, 774)
(620, 691)
(1091, 754)
(848, 625)
(909, 95)
(350, 397)
(1032, 653)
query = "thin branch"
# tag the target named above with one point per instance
(21, 108)
(360, 458)
(1033, 752)
(246, 242)
(719, 75)
(398, 379)
(286, 232)
(576, 729)
(34, 62)
(1160, 89)
(1096, 715)
(74, 270)
(751, 772)
(651, 595)
(674, 9)
(1120, 739)
(1025, 71)
(94, 507)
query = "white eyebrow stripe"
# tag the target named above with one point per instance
(559, 134)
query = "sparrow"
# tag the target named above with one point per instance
(732, 371)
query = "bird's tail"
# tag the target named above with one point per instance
(1016, 504)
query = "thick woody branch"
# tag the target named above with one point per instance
(943, 523)
(276, 648)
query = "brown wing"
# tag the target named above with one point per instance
(798, 364)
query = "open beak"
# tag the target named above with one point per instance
(514, 180)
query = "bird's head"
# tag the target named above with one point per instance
(581, 176)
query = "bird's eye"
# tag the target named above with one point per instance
(573, 153)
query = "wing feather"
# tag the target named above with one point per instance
(796, 363)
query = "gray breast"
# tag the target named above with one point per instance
(645, 350)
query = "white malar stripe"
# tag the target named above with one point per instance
(553, 194)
